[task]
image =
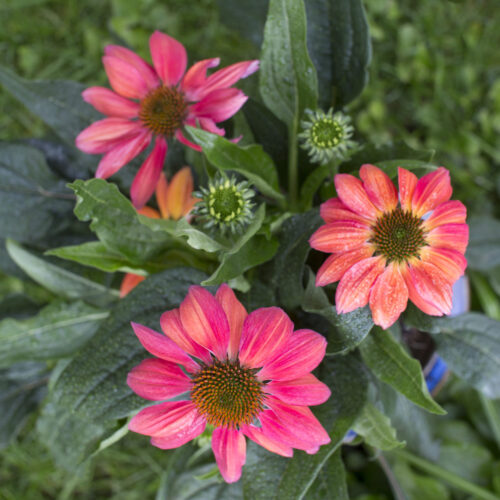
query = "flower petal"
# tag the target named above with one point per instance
(265, 332)
(389, 296)
(449, 212)
(451, 263)
(236, 315)
(176, 440)
(379, 187)
(129, 282)
(230, 450)
(181, 138)
(429, 289)
(121, 154)
(161, 196)
(334, 210)
(110, 104)
(169, 57)
(179, 193)
(145, 69)
(171, 325)
(209, 125)
(104, 135)
(124, 78)
(340, 236)
(431, 190)
(147, 177)
(354, 196)
(337, 264)
(258, 435)
(302, 353)
(169, 419)
(162, 347)
(354, 288)
(203, 317)
(149, 212)
(407, 183)
(157, 379)
(195, 78)
(220, 104)
(454, 236)
(304, 391)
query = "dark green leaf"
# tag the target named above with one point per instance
(417, 486)
(483, 252)
(390, 363)
(331, 481)
(312, 184)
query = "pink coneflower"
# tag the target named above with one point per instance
(384, 252)
(243, 374)
(155, 102)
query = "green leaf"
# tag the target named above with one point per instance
(339, 45)
(331, 481)
(58, 280)
(91, 392)
(376, 428)
(417, 486)
(58, 330)
(195, 238)
(483, 252)
(35, 203)
(390, 363)
(418, 167)
(250, 161)
(288, 81)
(311, 185)
(349, 330)
(22, 386)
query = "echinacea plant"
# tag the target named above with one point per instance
(288, 343)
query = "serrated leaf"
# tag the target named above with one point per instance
(288, 81)
(58, 280)
(387, 359)
(91, 392)
(58, 330)
(483, 252)
(376, 428)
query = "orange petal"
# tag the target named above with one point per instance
(450, 262)
(340, 236)
(379, 188)
(333, 210)
(129, 282)
(161, 196)
(389, 296)
(431, 190)
(336, 265)
(354, 287)
(179, 193)
(454, 236)
(353, 195)
(149, 212)
(407, 183)
(449, 212)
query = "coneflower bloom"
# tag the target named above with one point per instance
(384, 251)
(175, 200)
(245, 375)
(154, 103)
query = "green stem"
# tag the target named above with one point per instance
(449, 477)
(492, 416)
(293, 170)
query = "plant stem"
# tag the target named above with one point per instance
(449, 477)
(293, 170)
(492, 416)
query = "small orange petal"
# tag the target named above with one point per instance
(149, 212)
(130, 281)
(161, 196)
(179, 192)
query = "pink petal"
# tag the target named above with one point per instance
(162, 347)
(196, 77)
(451, 263)
(147, 177)
(129, 282)
(354, 288)
(181, 138)
(302, 353)
(379, 188)
(121, 154)
(169, 58)
(337, 264)
(157, 379)
(429, 289)
(389, 296)
(236, 315)
(230, 452)
(454, 236)
(265, 332)
(176, 440)
(431, 190)
(340, 236)
(109, 103)
(220, 104)
(172, 327)
(169, 419)
(145, 69)
(407, 183)
(334, 210)
(124, 78)
(449, 212)
(204, 318)
(209, 125)
(354, 196)
(259, 436)
(303, 391)
(104, 135)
